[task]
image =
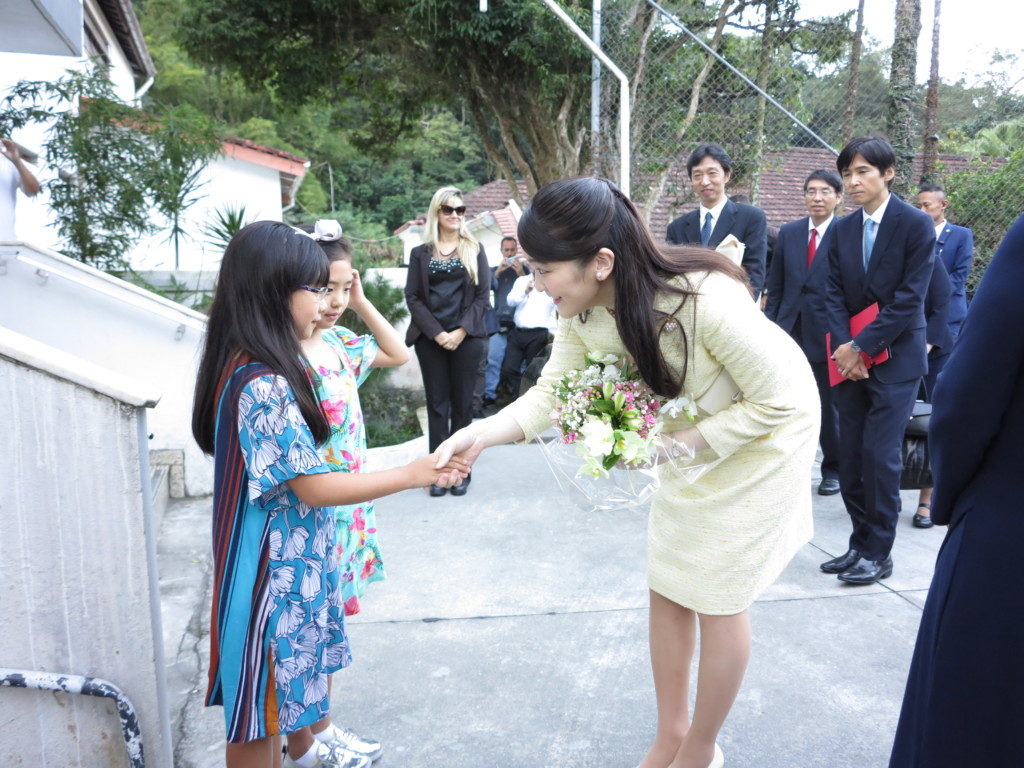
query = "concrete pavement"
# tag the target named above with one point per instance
(512, 633)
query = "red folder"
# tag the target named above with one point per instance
(858, 323)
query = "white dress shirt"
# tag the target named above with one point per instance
(715, 212)
(878, 214)
(534, 309)
(939, 227)
(821, 228)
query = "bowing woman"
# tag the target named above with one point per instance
(684, 315)
(447, 290)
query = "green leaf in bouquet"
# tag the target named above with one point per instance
(603, 406)
(610, 460)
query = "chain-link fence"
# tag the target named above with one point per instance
(825, 85)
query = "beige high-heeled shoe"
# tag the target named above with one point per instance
(717, 761)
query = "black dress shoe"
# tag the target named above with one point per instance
(923, 521)
(461, 488)
(829, 486)
(867, 571)
(841, 563)
(437, 490)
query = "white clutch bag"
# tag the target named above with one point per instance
(722, 393)
(733, 248)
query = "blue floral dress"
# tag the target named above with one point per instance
(345, 451)
(278, 624)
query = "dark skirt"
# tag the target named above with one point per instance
(964, 702)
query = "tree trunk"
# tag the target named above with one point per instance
(901, 91)
(658, 187)
(853, 83)
(764, 66)
(931, 114)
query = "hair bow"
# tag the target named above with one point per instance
(327, 230)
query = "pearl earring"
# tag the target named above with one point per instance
(599, 275)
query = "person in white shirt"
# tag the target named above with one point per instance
(535, 319)
(14, 175)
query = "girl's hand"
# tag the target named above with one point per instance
(356, 296)
(464, 446)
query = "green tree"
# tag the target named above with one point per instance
(988, 200)
(115, 162)
(524, 78)
(903, 93)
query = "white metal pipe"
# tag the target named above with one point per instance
(624, 106)
(595, 80)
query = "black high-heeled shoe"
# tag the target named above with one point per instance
(923, 521)
(461, 488)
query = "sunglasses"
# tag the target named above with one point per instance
(447, 210)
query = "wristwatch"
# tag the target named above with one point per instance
(855, 347)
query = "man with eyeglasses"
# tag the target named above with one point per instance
(710, 169)
(797, 281)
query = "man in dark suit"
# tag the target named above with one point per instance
(954, 246)
(710, 169)
(882, 253)
(797, 279)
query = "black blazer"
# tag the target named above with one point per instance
(976, 435)
(936, 310)
(796, 292)
(744, 221)
(897, 278)
(475, 302)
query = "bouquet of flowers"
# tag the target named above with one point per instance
(606, 416)
(607, 434)
(608, 412)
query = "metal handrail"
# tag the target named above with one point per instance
(86, 686)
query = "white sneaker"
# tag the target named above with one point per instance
(329, 756)
(353, 743)
(718, 761)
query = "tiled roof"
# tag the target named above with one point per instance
(491, 197)
(264, 149)
(782, 180)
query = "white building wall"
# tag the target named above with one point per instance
(225, 182)
(111, 323)
(78, 596)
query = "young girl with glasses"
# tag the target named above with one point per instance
(278, 626)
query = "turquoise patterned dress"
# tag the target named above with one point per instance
(345, 451)
(278, 623)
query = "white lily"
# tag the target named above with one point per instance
(598, 438)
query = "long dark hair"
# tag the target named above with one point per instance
(264, 263)
(571, 220)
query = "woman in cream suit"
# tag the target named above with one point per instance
(683, 315)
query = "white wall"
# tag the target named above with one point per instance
(108, 322)
(79, 586)
(226, 181)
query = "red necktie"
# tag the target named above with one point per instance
(812, 247)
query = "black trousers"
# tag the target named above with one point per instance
(828, 437)
(448, 380)
(872, 419)
(523, 345)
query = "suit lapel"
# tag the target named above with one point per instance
(941, 239)
(723, 225)
(798, 249)
(691, 227)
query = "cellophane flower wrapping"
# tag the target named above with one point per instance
(608, 434)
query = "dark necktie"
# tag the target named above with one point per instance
(705, 231)
(812, 247)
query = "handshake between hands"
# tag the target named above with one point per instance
(444, 467)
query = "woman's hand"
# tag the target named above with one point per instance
(464, 447)
(443, 340)
(457, 337)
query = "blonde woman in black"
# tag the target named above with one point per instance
(448, 294)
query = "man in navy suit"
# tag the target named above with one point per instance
(797, 279)
(710, 169)
(954, 246)
(882, 253)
